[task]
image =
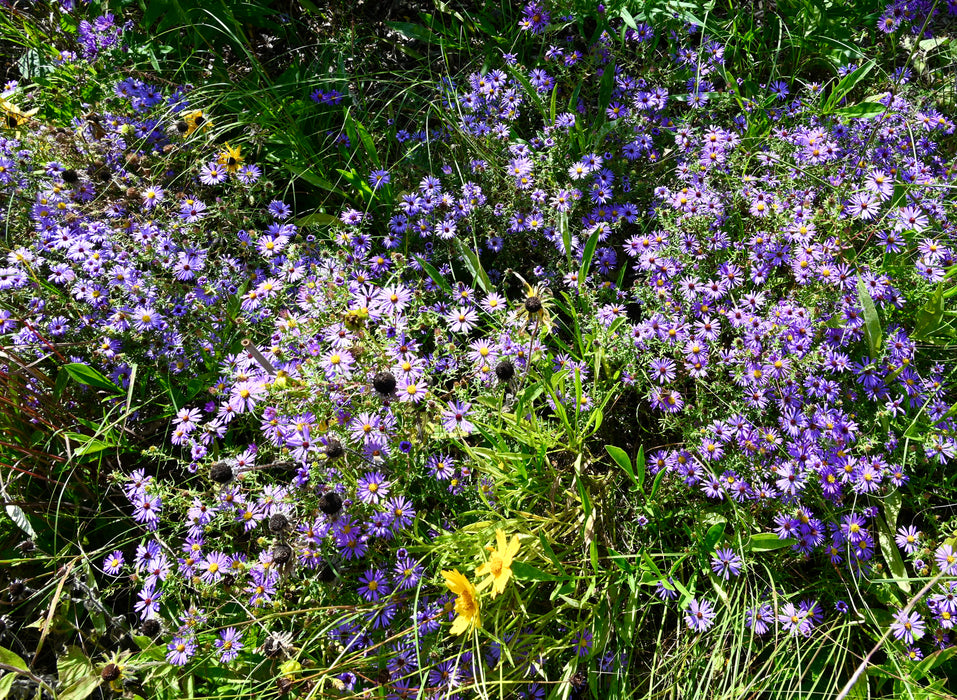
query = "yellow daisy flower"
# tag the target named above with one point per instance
(499, 566)
(466, 602)
(193, 121)
(231, 158)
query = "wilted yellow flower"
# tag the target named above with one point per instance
(231, 158)
(499, 566)
(12, 115)
(466, 602)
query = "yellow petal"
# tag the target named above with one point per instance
(460, 625)
(500, 539)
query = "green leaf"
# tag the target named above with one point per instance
(84, 374)
(621, 560)
(627, 18)
(72, 666)
(863, 110)
(848, 83)
(317, 218)
(89, 444)
(550, 553)
(356, 131)
(8, 658)
(767, 542)
(714, 535)
(640, 467)
(587, 256)
(929, 322)
(474, 266)
(527, 572)
(306, 174)
(656, 484)
(436, 277)
(892, 555)
(872, 323)
(6, 683)
(649, 565)
(81, 689)
(621, 457)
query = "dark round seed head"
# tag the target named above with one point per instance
(110, 672)
(533, 304)
(150, 628)
(221, 473)
(504, 370)
(330, 503)
(199, 120)
(17, 588)
(69, 175)
(384, 383)
(281, 553)
(334, 449)
(283, 685)
(182, 127)
(278, 522)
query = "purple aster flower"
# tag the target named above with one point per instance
(213, 173)
(262, 586)
(411, 389)
(378, 178)
(407, 573)
(148, 605)
(946, 559)
(441, 466)
(372, 488)
(248, 173)
(113, 563)
(582, 643)
(401, 512)
(279, 210)
(213, 567)
(726, 563)
(699, 616)
(907, 626)
(180, 650)
(908, 539)
(758, 619)
(146, 318)
(374, 585)
(147, 509)
(794, 620)
(453, 417)
(229, 643)
(152, 196)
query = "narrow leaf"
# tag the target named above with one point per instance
(587, 255)
(474, 265)
(527, 572)
(436, 276)
(84, 374)
(623, 461)
(872, 323)
(768, 541)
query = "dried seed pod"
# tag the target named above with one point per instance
(330, 503)
(221, 473)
